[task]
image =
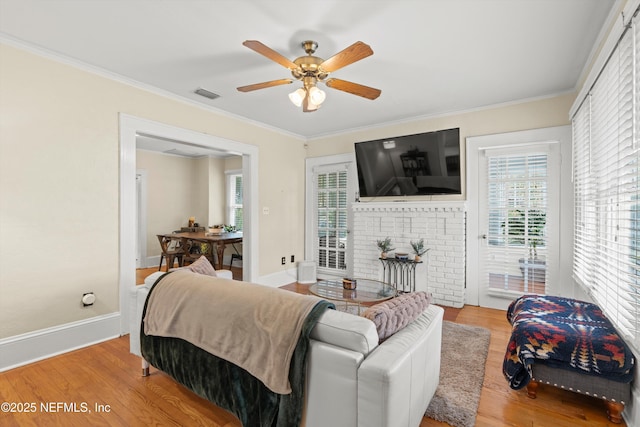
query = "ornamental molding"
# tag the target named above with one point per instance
(428, 206)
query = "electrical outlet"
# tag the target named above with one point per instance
(88, 298)
(284, 260)
(293, 258)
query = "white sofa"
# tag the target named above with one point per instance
(351, 379)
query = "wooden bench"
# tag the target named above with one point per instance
(568, 343)
(614, 393)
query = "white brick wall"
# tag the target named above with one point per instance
(440, 224)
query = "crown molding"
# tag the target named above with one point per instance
(451, 113)
(55, 56)
(101, 72)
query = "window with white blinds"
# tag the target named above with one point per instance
(331, 193)
(234, 200)
(517, 217)
(606, 188)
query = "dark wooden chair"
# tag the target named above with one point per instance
(194, 249)
(172, 250)
(237, 255)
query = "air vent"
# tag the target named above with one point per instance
(206, 93)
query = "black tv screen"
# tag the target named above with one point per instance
(411, 165)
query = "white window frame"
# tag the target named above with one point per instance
(558, 272)
(510, 252)
(230, 189)
(605, 170)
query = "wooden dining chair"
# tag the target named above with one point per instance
(172, 250)
(237, 255)
(194, 249)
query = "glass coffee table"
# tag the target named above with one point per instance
(367, 291)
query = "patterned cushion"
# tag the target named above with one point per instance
(392, 315)
(202, 266)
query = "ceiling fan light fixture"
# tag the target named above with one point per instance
(311, 69)
(308, 106)
(316, 96)
(297, 96)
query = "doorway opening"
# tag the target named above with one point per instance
(130, 128)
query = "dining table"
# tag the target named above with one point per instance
(217, 240)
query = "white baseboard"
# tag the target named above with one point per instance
(152, 261)
(27, 348)
(281, 278)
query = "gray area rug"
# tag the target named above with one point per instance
(464, 353)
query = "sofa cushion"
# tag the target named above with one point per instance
(392, 315)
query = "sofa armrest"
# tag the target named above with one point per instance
(152, 278)
(137, 298)
(331, 386)
(398, 379)
(224, 274)
(346, 331)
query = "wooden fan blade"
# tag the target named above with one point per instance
(353, 53)
(354, 88)
(264, 85)
(269, 53)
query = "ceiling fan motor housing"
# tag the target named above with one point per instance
(309, 46)
(309, 66)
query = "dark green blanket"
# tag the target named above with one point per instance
(228, 385)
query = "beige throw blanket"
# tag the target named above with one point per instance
(252, 326)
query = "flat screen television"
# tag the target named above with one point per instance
(411, 165)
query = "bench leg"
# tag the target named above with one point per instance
(532, 389)
(145, 368)
(614, 411)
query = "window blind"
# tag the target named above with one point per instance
(234, 201)
(517, 214)
(606, 189)
(331, 190)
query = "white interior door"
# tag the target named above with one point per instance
(513, 236)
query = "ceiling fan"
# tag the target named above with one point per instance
(311, 70)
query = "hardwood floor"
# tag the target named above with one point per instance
(106, 378)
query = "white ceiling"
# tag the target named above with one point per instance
(431, 57)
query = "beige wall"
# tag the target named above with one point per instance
(200, 191)
(179, 188)
(59, 187)
(217, 192)
(59, 180)
(233, 163)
